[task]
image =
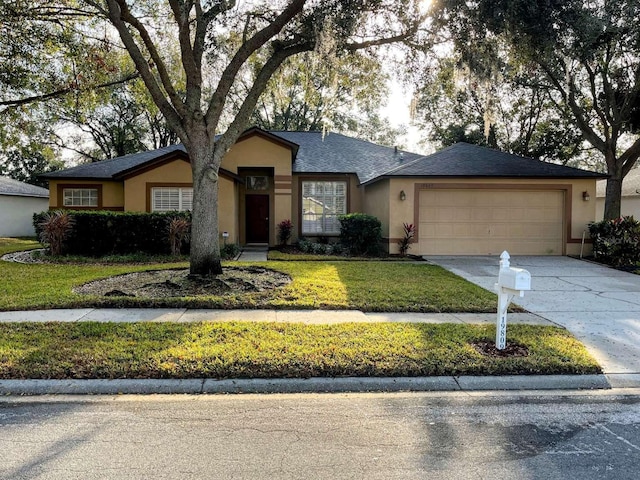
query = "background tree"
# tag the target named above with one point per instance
(310, 94)
(500, 109)
(587, 53)
(273, 30)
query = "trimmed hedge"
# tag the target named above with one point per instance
(616, 242)
(98, 233)
(360, 234)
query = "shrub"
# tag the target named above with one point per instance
(360, 234)
(53, 229)
(99, 233)
(285, 228)
(179, 231)
(616, 242)
(405, 242)
(229, 251)
(320, 247)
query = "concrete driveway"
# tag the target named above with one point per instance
(599, 305)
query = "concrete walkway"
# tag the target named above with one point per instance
(598, 304)
(317, 317)
(254, 253)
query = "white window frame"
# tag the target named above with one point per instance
(315, 221)
(80, 197)
(184, 194)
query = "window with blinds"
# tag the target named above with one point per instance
(168, 199)
(322, 204)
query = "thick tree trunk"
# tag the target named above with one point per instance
(205, 245)
(614, 196)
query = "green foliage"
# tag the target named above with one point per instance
(342, 94)
(273, 350)
(229, 251)
(54, 229)
(285, 228)
(25, 164)
(498, 107)
(617, 242)
(583, 53)
(360, 234)
(98, 233)
(404, 243)
(319, 248)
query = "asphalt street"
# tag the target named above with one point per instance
(532, 435)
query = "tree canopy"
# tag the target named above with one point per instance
(271, 32)
(587, 54)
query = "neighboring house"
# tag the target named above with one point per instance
(630, 203)
(464, 199)
(18, 202)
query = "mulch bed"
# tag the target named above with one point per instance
(511, 350)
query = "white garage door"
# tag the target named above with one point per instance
(486, 222)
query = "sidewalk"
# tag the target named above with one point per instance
(334, 385)
(129, 315)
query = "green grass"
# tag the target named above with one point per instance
(271, 350)
(368, 286)
(310, 257)
(9, 245)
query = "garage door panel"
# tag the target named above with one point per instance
(480, 222)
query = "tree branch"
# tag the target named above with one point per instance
(65, 91)
(172, 113)
(239, 123)
(258, 40)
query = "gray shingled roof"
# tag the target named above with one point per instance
(467, 160)
(630, 185)
(318, 153)
(108, 169)
(336, 153)
(9, 186)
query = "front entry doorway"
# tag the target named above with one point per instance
(257, 215)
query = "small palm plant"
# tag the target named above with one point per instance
(405, 242)
(179, 231)
(55, 227)
(285, 228)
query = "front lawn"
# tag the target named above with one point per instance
(363, 285)
(271, 350)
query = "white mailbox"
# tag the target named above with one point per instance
(511, 282)
(514, 279)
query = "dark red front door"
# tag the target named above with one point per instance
(257, 215)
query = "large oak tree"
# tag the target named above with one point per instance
(588, 53)
(270, 30)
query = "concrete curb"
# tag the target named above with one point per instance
(309, 385)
